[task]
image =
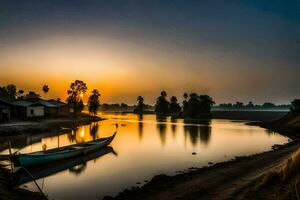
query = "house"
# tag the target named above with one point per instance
(27, 109)
(62, 109)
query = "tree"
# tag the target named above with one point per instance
(185, 102)
(140, 105)
(12, 91)
(94, 102)
(32, 96)
(198, 106)
(174, 106)
(75, 93)
(20, 94)
(8, 92)
(162, 105)
(295, 108)
(45, 89)
(250, 104)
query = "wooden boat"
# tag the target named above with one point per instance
(43, 157)
(21, 177)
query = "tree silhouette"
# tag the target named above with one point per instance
(45, 89)
(198, 106)
(140, 105)
(20, 94)
(94, 102)
(162, 105)
(8, 92)
(185, 102)
(32, 96)
(174, 106)
(75, 94)
(295, 108)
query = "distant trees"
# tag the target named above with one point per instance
(94, 102)
(32, 96)
(295, 108)
(162, 104)
(174, 106)
(194, 106)
(20, 94)
(75, 93)
(140, 105)
(251, 105)
(8, 92)
(45, 89)
(198, 106)
(11, 90)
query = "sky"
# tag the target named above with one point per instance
(230, 50)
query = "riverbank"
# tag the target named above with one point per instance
(249, 115)
(235, 179)
(7, 192)
(47, 125)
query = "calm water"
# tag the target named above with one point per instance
(143, 147)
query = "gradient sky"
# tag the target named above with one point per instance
(231, 50)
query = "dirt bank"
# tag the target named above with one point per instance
(8, 193)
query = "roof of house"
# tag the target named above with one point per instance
(23, 103)
(57, 102)
(5, 101)
(47, 104)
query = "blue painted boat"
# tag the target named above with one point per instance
(21, 176)
(43, 157)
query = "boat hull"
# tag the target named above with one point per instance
(30, 160)
(40, 158)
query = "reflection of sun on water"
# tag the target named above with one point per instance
(82, 133)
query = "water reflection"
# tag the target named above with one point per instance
(94, 130)
(160, 140)
(197, 131)
(140, 126)
(162, 128)
(173, 126)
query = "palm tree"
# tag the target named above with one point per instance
(45, 89)
(94, 102)
(140, 100)
(163, 94)
(140, 105)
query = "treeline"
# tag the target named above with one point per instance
(10, 92)
(193, 106)
(123, 107)
(252, 106)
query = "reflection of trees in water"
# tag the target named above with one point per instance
(72, 135)
(94, 127)
(173, 126)
(140, 126)
(161, 127)
(198, 130)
